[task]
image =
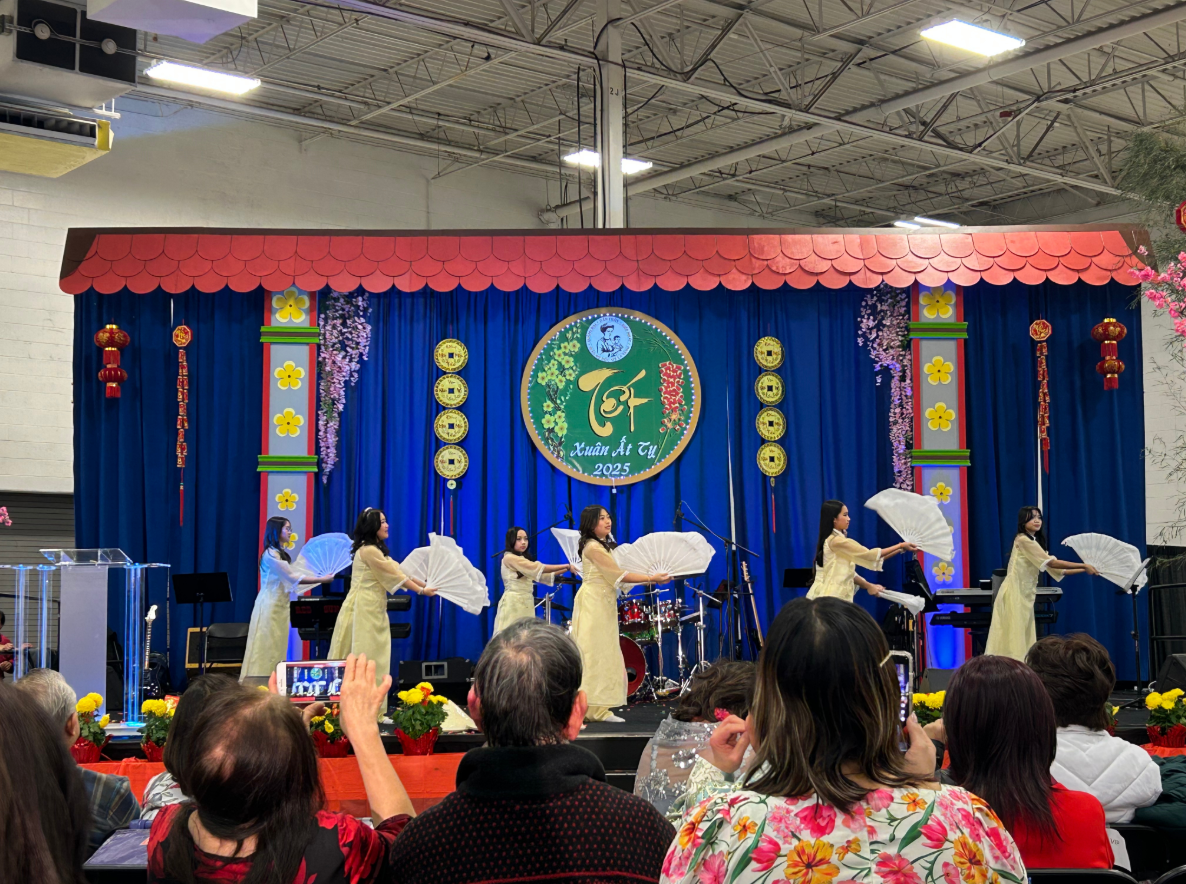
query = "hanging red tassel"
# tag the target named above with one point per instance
(182, 336)
(1040, 330)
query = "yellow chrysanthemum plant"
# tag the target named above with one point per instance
(90, 727)
(929, 707)
(420, 711)
(1167, 718)
(158, 715)
(327, 733)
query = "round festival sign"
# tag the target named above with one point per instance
(610, 396)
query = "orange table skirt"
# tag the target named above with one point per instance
(428, 778)
(1164, 751)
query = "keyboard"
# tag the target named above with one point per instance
(981, 599)
(982, 619)
(978, 597)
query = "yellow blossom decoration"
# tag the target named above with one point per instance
(291, 542)
(289, 375)
(86, 705)
(938, 370)
(942, 492)
(288, 423)
(412, 696)
(943, 572)
(329, 728)
(1153, 700)
(104, 721)
(287, 500)
(939, 416)
(937, 303)
(317, 719)
(438, 699)
(291, 306)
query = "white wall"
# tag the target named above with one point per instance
(1165, 424)
(174, 166)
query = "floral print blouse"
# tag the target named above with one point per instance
(898, 836)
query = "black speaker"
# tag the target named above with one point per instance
(1172, 673)
(935, 680)
(450, 677)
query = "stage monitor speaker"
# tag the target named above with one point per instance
(450, 677)
(935, 680)
(1172, 673)
(193, 649)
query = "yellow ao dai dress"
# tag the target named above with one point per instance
(518, 596)
(268, 634)
(842, 554)
(363, 627)
(1013, 630)
(595, 630)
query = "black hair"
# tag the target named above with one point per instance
(509, 546)
(827, 524)
(726, 684)
(366, 531)
(193, 701)
(1024, 515)
(590, 516)
(272, 538)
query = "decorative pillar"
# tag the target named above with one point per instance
(941, 456)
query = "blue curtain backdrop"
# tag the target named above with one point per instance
(837, 438)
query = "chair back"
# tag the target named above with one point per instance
(1147, 850)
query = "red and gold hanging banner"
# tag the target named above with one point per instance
(112, 339)
(1109, 333)
(1040, 330)
(182, 336)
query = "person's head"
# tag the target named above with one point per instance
(189, 707)
(606, 329)
(277, 532)
(833, 516)
(826, 705)
(726, 684)
(250, 769)
(1029, 521)
(44, 815)
(527, 686)
(517, 541)
(371, 528)
(1078, 675)
(596, 524)
(1001, 738)
(56, 698)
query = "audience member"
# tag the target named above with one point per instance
(530, 805)
(112, 804)
(255, 797)
(673, 769)
(1001, 739)
(43, 814)
(830, 795)
(1079, 676)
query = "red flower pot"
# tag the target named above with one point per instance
(86, 752)
(327, 748)
(152, 751)
(421, 745)
(1173, 737)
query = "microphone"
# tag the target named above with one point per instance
(679, 514)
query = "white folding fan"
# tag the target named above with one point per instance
(913, 603)
(678, 553)
(570, 542)
(916, 519)
(325, 554)
(1116, 560)
(443, 566)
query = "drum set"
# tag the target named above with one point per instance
(644, 620)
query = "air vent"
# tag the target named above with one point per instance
(49, 144)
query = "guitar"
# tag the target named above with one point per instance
(149, 676)
(755, 633)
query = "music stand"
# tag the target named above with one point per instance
(315, 615)
(1132, 590)
(197, 590)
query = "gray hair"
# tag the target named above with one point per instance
(50, 691)
(527, 680)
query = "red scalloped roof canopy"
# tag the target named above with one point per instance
(176, 260)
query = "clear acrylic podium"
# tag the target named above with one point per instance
(82, 629)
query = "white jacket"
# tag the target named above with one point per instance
(1120, 774)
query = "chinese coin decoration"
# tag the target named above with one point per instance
(610, 396)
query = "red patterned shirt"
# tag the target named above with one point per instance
(341, 850)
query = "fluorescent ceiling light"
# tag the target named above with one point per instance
(909, 225)
(214, 81)
(591, 159)
(972, 38)
(936, 222)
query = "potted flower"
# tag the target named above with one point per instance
(419, 718)
(328, 736)
(1167, 719)
(158, 715)
(92, 736)
(929, 707)
(1110, 712)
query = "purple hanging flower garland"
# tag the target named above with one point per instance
(345, 342)
(885, 331)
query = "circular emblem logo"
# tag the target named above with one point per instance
(451, 462)
(769, 388)
(450, 390)
(450, 425)
(772, 459)
(182, 335)
(609, 339)
(771, 424)
(768, 353)
(315, 673)
(610, 397)
(450, 355)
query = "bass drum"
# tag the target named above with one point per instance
(636, 665)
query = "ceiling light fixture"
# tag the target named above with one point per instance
(972, 38)
(935, 222)
(591, 159)
(214, 81)
(909, 225)
(633, 167)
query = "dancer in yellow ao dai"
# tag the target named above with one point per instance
(519, 575)
(837, 556)
(595, 615)
(1013, 629)
(268, 636)
(363, 627)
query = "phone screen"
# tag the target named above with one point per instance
(903, 666)
(311, 679)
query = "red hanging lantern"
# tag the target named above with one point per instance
(1040, 330)
(1108, 333)
(112, 339)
